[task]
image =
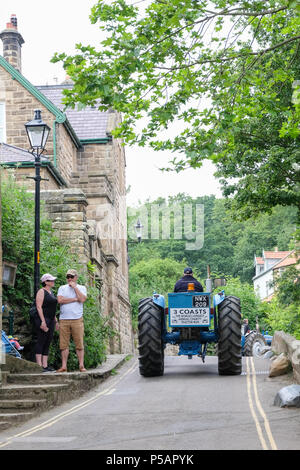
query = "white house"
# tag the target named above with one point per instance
(265, 268)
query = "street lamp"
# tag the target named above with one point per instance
(37, 132)
(138, 230)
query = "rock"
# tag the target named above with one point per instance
(288, 396)
(279, 366)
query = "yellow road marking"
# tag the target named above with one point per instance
(258, 427)
(72, 410)
(259, 407)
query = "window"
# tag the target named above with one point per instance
(2, 123)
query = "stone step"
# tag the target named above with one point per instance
(43, 378)
(5, 425)
(52, 392)
(24, 395)
(15, 418)
(4, 375)
(21, 404)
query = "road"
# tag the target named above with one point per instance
(190, 408)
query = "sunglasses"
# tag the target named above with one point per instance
(70, 276)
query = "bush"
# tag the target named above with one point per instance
(251, 306)
(283, 312)
(284, 318)
(154, 275)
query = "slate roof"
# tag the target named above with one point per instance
(11, 154)
(15, 156)
(88, 123)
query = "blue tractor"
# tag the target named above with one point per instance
(254, 343)
(195, 320)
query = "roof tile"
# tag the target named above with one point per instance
(88, 123)
(11, 154)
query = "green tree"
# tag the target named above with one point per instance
(152, 275)
(283, 312)
(229, 245)
(227, 72)
(251, 306)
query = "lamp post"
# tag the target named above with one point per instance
(37, 132)
(138, 230)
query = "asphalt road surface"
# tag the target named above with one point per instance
(190, 408)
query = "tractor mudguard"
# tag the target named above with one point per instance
(218, 298)
(158, 299)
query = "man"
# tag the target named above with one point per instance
(246, 327)
(71, 298)
(182, 284)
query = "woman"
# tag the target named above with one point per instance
(46, 321)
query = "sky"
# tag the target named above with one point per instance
(56, 27)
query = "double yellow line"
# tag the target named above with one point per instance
(269, 443)
(50, 422)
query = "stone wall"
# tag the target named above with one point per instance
(290, 347)
(67, 210)
(23, 176)
(100, 174)
(91, 211)
(20, 106)
(66, 153)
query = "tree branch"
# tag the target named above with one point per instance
(237, 56)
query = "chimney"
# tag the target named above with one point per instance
(12, 43)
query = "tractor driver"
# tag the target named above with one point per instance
(187, 278)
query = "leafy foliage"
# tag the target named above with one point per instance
(229, 245)
(283, 312)
(251, 306)
(152, 275)
(226, 74)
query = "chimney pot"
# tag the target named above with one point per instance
(12, 43)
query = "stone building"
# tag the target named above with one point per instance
(85, 171)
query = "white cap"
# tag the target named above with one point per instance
(47, 277)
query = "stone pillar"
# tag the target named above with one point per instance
(67, 210)
(12, 43)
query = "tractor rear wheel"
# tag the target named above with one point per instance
(254, 343)
(151, 346)
(229, 344)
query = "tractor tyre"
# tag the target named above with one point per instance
(254, 343)
(229, 344)
(151, 346)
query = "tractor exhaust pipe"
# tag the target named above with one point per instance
(208, 282)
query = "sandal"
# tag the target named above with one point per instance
(83, 369)
(62, 369)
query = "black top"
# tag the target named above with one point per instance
(49, 305)
(182, 284)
